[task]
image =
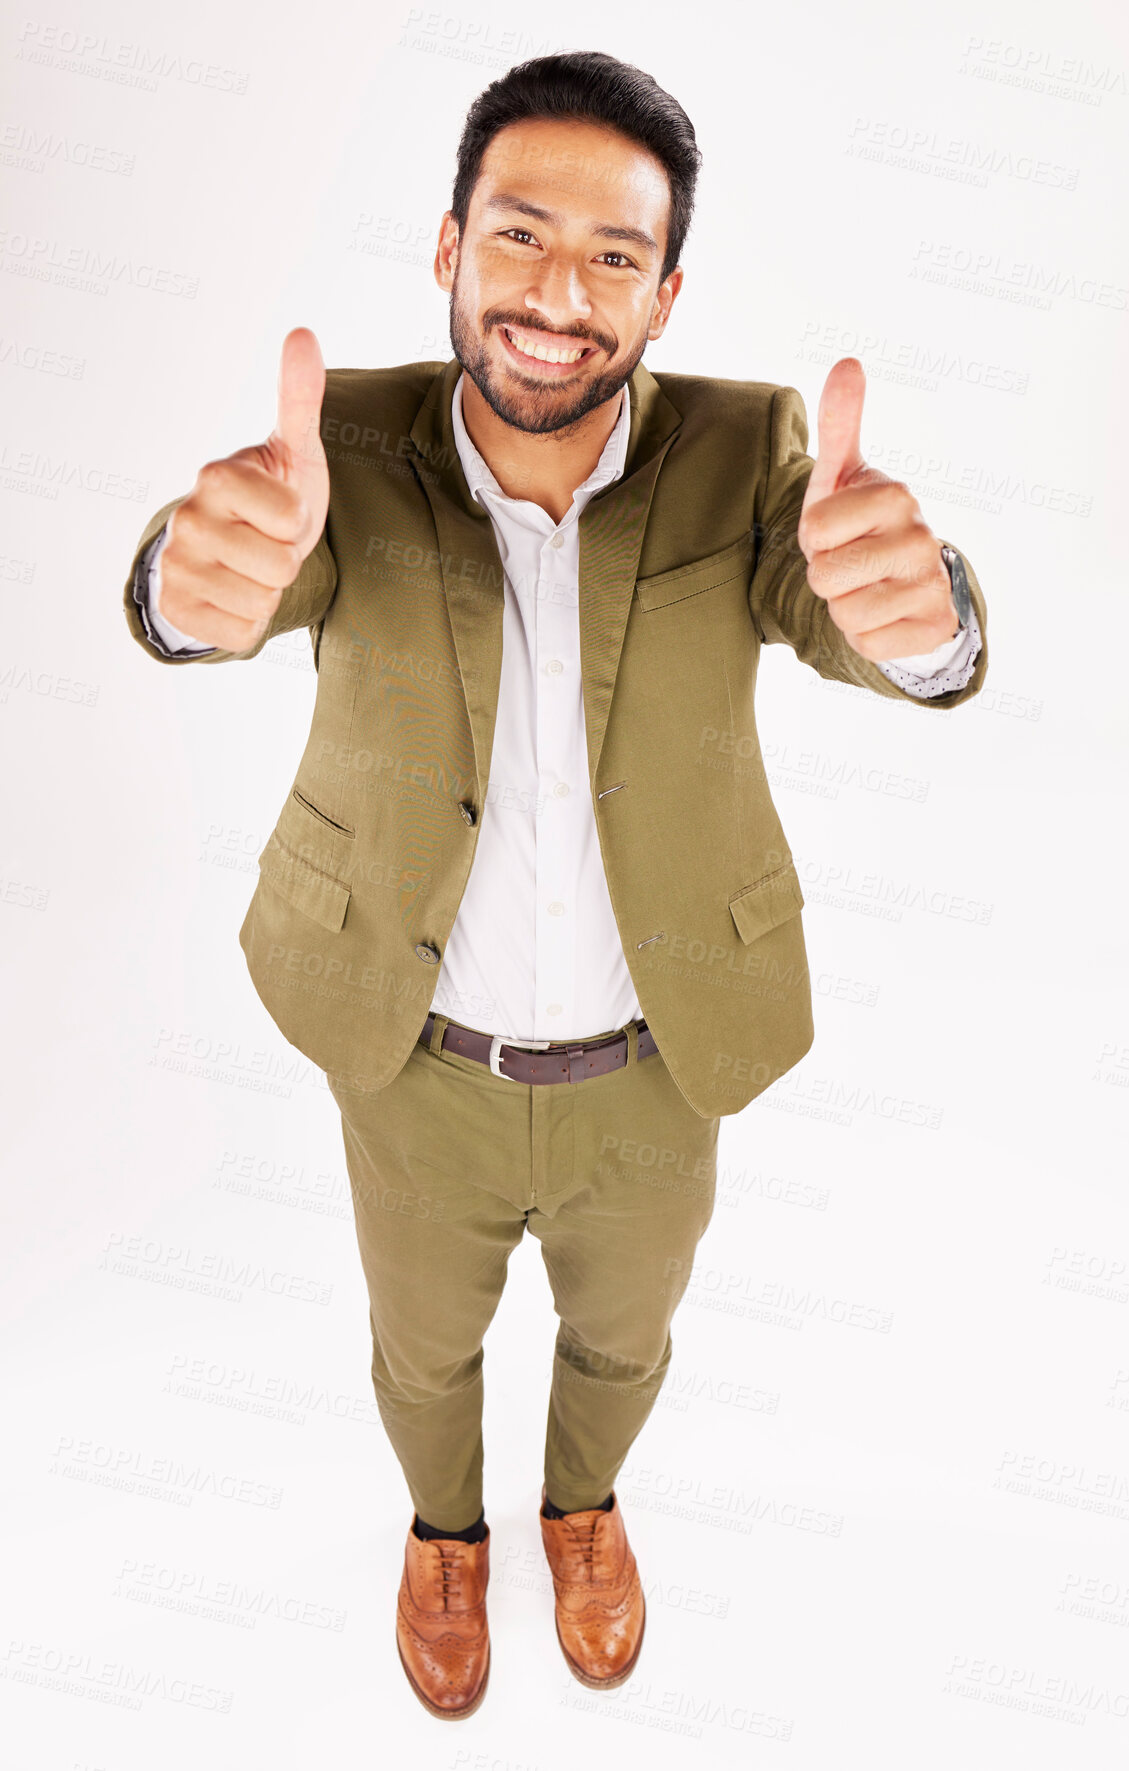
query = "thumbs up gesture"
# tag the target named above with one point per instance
(870, 553)
(239, 538)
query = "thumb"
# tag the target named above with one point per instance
(839, 425)
(301, 390)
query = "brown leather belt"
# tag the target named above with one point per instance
(559, 1060)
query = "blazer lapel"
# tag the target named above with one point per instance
(611, 529)
(473, 578)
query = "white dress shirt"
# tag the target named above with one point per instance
(535, 953)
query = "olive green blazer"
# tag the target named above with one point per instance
(689, 563)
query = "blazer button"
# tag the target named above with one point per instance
(426, 951)
(467, 811)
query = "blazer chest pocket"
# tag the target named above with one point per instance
(676, 586)
(300, 861)
(766, 903)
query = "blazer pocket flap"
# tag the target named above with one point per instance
(771, 900)
(699, 575)
(317, 895)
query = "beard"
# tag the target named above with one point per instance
(532, 405)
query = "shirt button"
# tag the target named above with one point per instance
(561, 789)
(554, 667)
(467, 811)
(556, 540)
(426, 951)
(556, 908)
(554, 1008)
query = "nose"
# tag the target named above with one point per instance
(558, 294)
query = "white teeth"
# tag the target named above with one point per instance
(529, 348)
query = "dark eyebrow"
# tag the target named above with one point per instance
(605, 231)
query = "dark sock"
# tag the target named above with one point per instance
(552, 1512)
(469, 1534)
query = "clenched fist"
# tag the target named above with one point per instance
(241, 535)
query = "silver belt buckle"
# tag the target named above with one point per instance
(499, 1040)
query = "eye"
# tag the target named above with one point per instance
(521, 235)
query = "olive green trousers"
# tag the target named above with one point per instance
(449, 1166)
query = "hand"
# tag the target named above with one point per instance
(239, 538)
(870, 553)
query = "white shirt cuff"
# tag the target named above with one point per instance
(947, 667)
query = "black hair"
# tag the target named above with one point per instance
(592, 87)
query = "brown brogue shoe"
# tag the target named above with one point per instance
(600, 1608)
(441, 1629)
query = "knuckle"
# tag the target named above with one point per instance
(213, 473)
(930, 565)
(184, 613)
(262, 605)
(278, 573)
(185, 525)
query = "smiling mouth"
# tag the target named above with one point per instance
(533, 349)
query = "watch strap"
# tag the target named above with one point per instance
(958, 579)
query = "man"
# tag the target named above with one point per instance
(537, 943)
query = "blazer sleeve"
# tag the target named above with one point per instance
(303, 603)
(784, 608)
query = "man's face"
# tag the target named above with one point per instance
(564, 242)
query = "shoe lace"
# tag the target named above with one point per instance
(450, 1582)
(583, 1534)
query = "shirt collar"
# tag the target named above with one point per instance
(483, 484)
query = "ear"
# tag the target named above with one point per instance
(664, 301)
(447, 252)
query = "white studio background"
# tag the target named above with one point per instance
(880, 1509)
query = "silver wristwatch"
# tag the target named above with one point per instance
(958, 578)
